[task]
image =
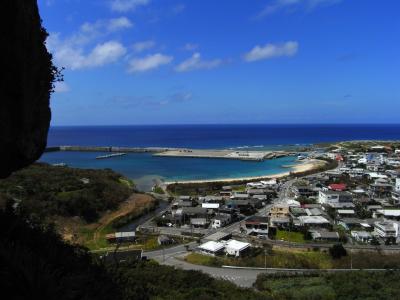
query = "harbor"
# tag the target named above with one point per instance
(243, 155)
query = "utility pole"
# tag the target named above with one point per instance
(265, 258)
(351, 259)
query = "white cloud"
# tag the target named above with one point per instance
(143, 45)
(73, 52)
(74, 58)
(118, 24)
(103, 27)
(196, 63)
(272, 50)
(61, 87)
(291, 5)
(127, 5)
(148, 62)
(105, 53)
(190, 47)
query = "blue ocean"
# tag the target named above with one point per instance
(144, 168)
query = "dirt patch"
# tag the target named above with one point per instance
(75, 230)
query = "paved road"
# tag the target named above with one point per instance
(241, 277)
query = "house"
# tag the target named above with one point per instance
(279, 211)
(221, 220)
(390, 214)
(396, 198)
(187, 213)
(327, 197)
(164, 240)
(303, 191)
(236, 248)
(343, 205)
(346, 213)
(314, 221)
(297, 212)
(199, 222)
(338, 187)
(350, 223)
(226, 191)
(212, 248)
(240, 196)
(380, 190)
(256, 225)
(212, 199)
(386, 229)
(245, 206)
(280, 222)
(120, 237)
(326, 236)
(361, 236)
(212, 206)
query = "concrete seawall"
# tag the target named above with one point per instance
(109, 149)
(179, 152)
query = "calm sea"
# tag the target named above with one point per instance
(217, 136)
(144, 168)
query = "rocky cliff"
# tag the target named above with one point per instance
(25, 85)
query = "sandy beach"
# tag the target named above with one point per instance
(307, 165)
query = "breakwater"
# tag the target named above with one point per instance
(109, 149)
(179, 152)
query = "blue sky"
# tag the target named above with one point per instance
(224, 61)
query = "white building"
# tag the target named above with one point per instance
(361, 236)
(313, 221)
(212, 248)
(386, 229)
(328, 197)
(236, 248)
(210, 205)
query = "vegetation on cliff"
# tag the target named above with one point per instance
(45, 191)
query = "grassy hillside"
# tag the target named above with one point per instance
(340, 286)
(45, 191)
(37, 264)
(85, 205)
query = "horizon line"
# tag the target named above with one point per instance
(226, 124)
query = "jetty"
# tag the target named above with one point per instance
(110, 155)
(243, 155)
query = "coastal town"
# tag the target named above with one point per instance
(352, 199)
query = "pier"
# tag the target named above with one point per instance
(177, 152)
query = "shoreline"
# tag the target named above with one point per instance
(308, 165)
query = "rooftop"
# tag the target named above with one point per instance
(212, 246)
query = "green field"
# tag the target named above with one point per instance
(290, 236)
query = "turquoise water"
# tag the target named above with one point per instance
(143, 168)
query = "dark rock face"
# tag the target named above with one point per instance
(26, 81)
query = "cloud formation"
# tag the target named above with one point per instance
(136, 101)
(271, 51)
(143, 45)
(61, 87)
(127, 5)
(148, 62)
(102, 54)
(196, 63)
(73, 52)
(190, 47)
(292, 5)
